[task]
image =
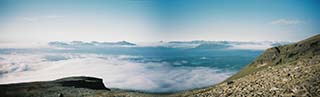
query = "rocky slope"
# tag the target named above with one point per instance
(290, 70)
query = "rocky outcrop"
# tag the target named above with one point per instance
(69, 87)
(82, 82)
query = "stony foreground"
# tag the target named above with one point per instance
(299, 80)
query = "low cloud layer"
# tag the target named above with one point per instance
(116, 71)
(286, 22)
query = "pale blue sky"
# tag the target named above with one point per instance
(155, 20)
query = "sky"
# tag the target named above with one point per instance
(157, 20)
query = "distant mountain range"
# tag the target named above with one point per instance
(199, 44)
(86, 44)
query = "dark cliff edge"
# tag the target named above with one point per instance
(289, 70)
(82, 82)
(43, 87)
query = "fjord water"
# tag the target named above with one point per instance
(150, 69)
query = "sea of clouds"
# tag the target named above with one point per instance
(116, 71)
(21, 63)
